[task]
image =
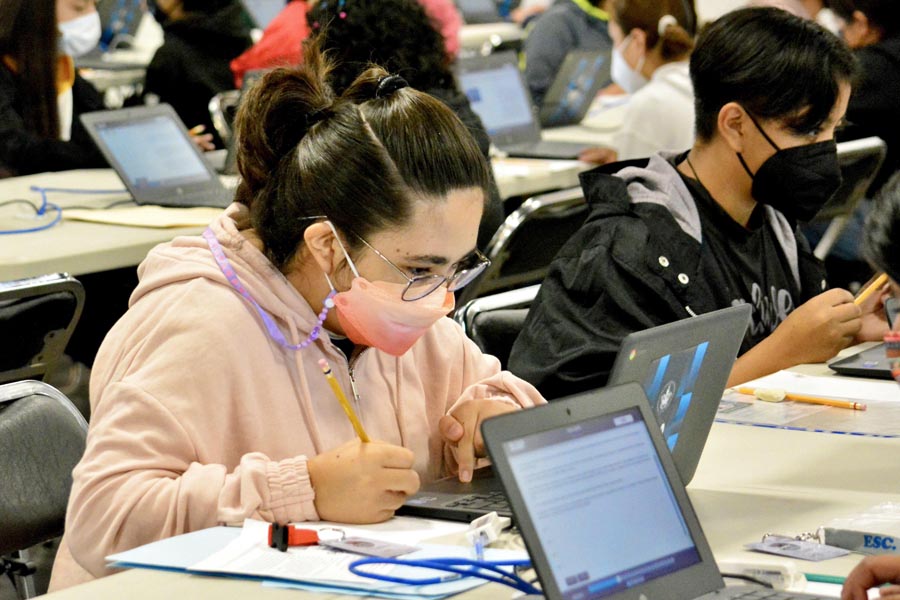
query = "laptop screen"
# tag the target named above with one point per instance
(165, 157)
(498, 97)
(263, 11)
(600, 473)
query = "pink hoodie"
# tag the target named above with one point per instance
(199, 418)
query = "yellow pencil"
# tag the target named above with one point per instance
(197, 129)
(345, 404)
(876, 285)
(808, 399)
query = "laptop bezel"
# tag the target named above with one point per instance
(691, 582)
(528, 133)
(724, 330)
(558, 89)
(176, 195)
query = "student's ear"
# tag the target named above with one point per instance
(732, 125)
(322, 244)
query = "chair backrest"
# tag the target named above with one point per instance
(40, 314)
(860, 162)
(222, 110)
(493, 322)
(42, 438)
(522, 249)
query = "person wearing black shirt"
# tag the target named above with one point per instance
(674, 236)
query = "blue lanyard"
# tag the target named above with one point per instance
(460, 567)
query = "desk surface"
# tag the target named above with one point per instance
(79, 248)
(745, 486)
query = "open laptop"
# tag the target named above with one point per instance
(262, 12)
(599, 503)
(683, 367)
(152, 153)
(873, 361)
(478, 11)
(119, 22)
(582, 74)
(497, 93)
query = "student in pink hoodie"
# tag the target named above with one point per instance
(355, 220)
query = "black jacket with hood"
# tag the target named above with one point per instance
(192, 65)
(634, 264)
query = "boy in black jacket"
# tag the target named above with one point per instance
(682, 234)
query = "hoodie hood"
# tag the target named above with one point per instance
(656, 181)
(189, 257)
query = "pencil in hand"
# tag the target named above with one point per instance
(345, 404)
(873, 287)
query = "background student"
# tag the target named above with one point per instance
(652, 41)
(881, 242)
(567, 25)
(41, 95)
(686, 234)
(407, 44)
(351, 230)
(282, 41)
(201, 37)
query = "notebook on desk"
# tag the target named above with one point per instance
(683, 367)
(151, 151)
(600, 504)
(495, 89)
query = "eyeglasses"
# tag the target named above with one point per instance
(419, 286)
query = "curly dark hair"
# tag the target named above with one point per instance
(394, 34)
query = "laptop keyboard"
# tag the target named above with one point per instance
(492, 501)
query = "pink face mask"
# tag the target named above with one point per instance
(374, 314)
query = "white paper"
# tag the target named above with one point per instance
(843, 388)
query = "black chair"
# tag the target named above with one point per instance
(494, 322)
(860, 162)
(522, 249)
(40, 314)
(42, 438)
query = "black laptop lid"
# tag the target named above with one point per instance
(598, 501)
(684, 367)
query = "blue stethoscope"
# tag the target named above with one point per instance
(490, 570)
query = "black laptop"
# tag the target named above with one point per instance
(600, 504)
(580, 77)
(871, 362)
(495, 89)
(682, 366)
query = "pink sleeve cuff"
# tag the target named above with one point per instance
(291, 495)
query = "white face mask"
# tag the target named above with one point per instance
(81, 35)
(627, 78)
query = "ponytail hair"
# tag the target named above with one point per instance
(669, 24)
(360, 159)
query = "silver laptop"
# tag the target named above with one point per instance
(495, 89)
(582, 74)
(600, 505)
(151, 150)
(683, 368)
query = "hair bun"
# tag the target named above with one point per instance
(389, 84)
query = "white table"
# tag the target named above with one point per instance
(79, 248)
